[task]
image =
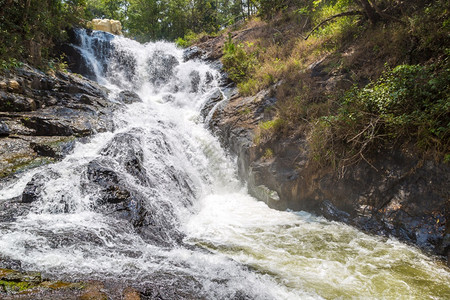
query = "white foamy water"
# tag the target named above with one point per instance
(205, 237)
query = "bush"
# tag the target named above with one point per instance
(236, 61)
(189, 39)
(410, 103)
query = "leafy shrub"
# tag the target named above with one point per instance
(236, 61)
(410, 103)
(189, 39)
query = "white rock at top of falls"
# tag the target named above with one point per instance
(107, 25)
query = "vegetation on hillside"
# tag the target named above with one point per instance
(354, 77)
(29, 29)
(388, 59)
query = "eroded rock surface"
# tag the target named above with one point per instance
(396, 195)
(41, 116)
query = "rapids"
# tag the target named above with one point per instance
(158, 203)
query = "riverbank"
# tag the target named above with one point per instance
(394, 190)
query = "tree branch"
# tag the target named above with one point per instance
(344, 14)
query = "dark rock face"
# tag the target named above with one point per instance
(195, 81)
(193, 53)
(215, 98)
(41, 115)
(398, 195)
(4, 129)
(120, 198)
(128, 97)
(161, 67)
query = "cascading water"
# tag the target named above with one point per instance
(157, 204)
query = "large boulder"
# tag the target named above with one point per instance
(111, 26)
(41, 115)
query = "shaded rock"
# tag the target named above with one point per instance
(128, 97)
(396, 195)
(41, 119)
(265, 194)
(4, 129)
(212, 100)
(55, 149)
(76, 62)
(195, 81)
(108, 180)
(329, 211)
(126, 149)
(161, 67)
(192, 53)
(47, 127)
(15, 103)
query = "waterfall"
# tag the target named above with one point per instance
(157, 204)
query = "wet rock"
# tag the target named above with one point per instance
(76, 62)
(40, 120)
(112, 189)
(329, 211)
(126, 149)
(161, 67)
(212, 100)
(4, 129)
(124, 63)
(151, 218)
(195, 81)
(14, 103)
(33, 189)
(128, 97)
(192, 53)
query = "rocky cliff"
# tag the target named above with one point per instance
(396, 194)
(41, 116)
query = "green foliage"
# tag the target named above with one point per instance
(189, 39)
(148, 20)
(108, 9)
(29, 29)
(268, 153)
(9, 64)
(268, 129)
(58, 64)
(410, 103)
(14, 287)
(236, 61)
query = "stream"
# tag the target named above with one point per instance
(157, 203)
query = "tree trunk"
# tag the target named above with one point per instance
(370, 11)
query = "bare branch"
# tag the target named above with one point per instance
(344, 14)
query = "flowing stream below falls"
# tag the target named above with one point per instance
(157, 203)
